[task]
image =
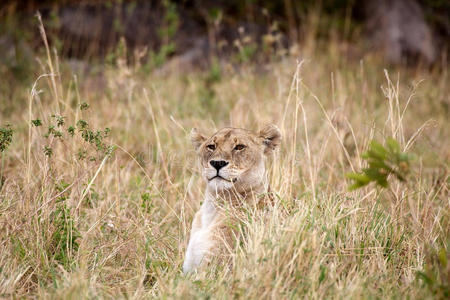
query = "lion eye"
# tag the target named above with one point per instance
(239, 147)
(211, 147)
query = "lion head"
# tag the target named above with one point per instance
(233, 158)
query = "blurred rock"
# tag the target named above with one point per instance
(184, 34)
(93, 30)
(398, 28)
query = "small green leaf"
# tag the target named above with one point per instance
(323, 272)
(82, 124)
(393, 145)
(443, 257)
(359, 177)
(71, 130)
(36, 122)
(84, 106)
(48, 151)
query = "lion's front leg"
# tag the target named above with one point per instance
(199, 246)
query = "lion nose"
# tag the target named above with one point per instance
(218, 164)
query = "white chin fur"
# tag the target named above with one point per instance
(219, 184)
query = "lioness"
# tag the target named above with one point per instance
(232, 164)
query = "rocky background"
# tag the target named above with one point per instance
(192, 33)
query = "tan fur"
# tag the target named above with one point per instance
(243, 179)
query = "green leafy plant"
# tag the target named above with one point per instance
(6, 134)
(59, 129)
(166, 33)
(71, 130)
(171, 21)
(36, 123)
(436, 274)
(161, 56)
(383, 161)
(59, 120)
(215, 72)
(65, 238)
(146, 203)
(247, 52)
(94, 137)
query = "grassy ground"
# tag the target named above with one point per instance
(78, 222)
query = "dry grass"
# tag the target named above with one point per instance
(133, 209)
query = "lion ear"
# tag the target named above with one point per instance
(271, 137)
(197, 138)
